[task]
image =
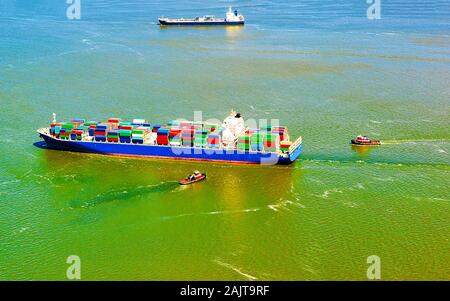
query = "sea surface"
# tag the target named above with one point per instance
(321, 67)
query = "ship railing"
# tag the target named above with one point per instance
(45, 131)
(296, 143)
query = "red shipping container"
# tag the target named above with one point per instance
(213, 140)
(114, 120)
(174, 131)
(186, 123)
(162, 140)
(112, 139)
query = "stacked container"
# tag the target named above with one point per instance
(174, 133)
(125, 130)
(55, 129)
(91, 130)
(175, 140)
(187, 137)
(186, 124)
(281, 131)
(210, 127)
(76, 134)
(100, 132)
(256, 141)
(89, 127)
(113, 135)
(271, 142)
(200, 138)
(198, 126)
(244, 142)
(214, 140)
(125, 136)
(156, 127)
(63, 133)
(146, 126)
(122, 124)
(162, 137)
(66, 128)
(139, 121)
(138, 135)
(186, 133)
(114, 122)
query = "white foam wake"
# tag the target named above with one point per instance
(237, 270)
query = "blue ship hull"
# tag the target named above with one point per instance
(171, 152)
(193, 23)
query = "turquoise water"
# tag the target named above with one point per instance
(321, 67)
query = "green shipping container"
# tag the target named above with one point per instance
(244, 138)
(68, 126)
(124, 133)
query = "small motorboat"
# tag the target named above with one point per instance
(364, 140)
(195, 177)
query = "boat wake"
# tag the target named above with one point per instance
(237, 270)
(413, 141)
(123, 194)
(284, 204)
(210, 213)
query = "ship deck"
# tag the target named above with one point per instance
(172, 151)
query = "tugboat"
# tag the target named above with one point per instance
(195, 177)
(231, 18)
(364, 140)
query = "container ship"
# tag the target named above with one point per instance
(231, 18)
(229, 142)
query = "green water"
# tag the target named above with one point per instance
(327, 77)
